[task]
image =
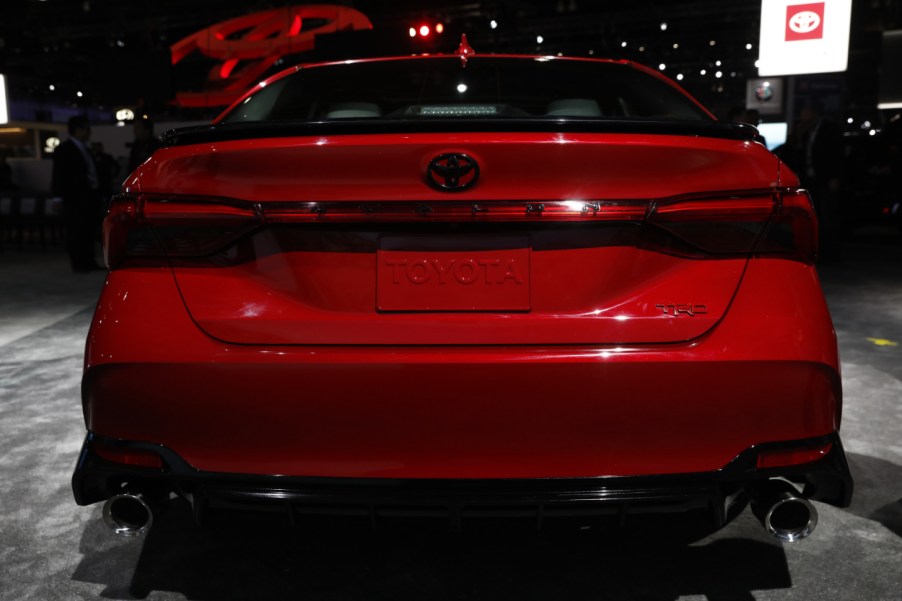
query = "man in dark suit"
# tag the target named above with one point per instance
(821, 173)
(145, 143)
(75, 181)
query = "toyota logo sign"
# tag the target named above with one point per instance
(804, 36)
(805, 21)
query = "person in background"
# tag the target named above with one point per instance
(75, 181)
(143, 145)
(6, 175)
(740, 114)
(820, 169)
(107, 170)
(753, 117)
(792, 152)
(893, 133)
(737, 114)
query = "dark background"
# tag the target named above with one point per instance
(117, 52)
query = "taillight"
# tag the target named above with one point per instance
(700, 227)
(127, 455)
(778, 223)
(140, 226)
(792, 456)
(792, 231)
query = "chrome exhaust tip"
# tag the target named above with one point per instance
(784, 514)
(128, 515)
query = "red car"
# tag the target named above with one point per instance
(463, 285)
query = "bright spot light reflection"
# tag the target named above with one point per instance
(610, 353)
(575, 205)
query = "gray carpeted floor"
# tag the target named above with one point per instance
(52, 549)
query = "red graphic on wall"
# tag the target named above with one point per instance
(805, 21)
(247, 47)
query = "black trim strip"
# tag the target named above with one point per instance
(246, 131)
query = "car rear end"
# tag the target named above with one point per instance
(463, 286)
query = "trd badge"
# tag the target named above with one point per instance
(687, 309)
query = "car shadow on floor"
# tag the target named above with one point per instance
(251, 559)
(878, 491)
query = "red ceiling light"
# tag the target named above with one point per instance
(227, 67)
(295, 26)
(424, 30)
(246, 47)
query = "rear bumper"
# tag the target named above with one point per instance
(95, 479)
(422, 414)
(768, 372)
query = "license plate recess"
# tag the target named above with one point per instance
(450, 273)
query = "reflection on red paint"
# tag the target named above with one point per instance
(257, 41)
(227, 68)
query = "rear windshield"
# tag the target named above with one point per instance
(486, 88)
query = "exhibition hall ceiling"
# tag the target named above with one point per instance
(103, 52)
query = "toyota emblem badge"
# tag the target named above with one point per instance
(452, 172)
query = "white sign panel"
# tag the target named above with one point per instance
(799, 37)
(4, 111)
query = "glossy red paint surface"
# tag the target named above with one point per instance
(446, 412)
(312, 306)
(584, 286)
(521, 166)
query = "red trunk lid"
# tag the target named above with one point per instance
(386, 275)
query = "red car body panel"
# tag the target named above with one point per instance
(468, 412)
(326, 296)
(514, 165)
(598, 301)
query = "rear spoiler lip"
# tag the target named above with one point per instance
(245, 131)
